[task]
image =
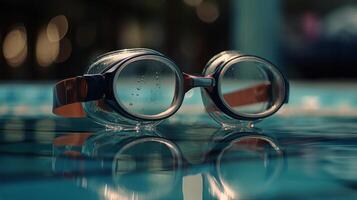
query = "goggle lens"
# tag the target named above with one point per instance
(250, 86)
(146, 87)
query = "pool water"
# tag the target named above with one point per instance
(306, 151)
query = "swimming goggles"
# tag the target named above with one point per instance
(142, 87)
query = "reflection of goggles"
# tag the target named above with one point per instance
(143, 86)
(150, 167)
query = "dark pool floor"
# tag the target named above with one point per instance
(284, 158)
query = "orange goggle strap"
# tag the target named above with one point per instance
(69, 93)
(247, 96)
(74, 139)
(256, 94)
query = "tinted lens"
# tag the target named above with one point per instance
(251, 86)
(147, 87)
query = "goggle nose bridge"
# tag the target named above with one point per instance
(191, 81)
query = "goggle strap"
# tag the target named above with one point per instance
(69, 93)
(74, 110)
(248, 96)
(74, 140)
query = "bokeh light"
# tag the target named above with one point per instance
(46, 50)
(207, 12)
(49, 41)
(131, 34)
(57, 28)
(15, 46)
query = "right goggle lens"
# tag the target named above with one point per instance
(251, 86)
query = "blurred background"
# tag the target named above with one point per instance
(51, 40)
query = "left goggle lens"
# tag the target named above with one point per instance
(147, 87)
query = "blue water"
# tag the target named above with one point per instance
(308, 155)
